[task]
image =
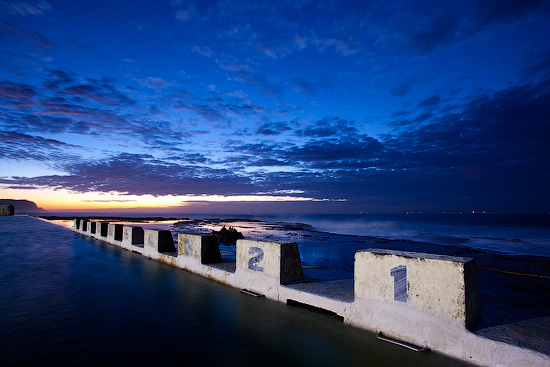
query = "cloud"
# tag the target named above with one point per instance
(243, 70)
(403, 88)
(326, 154)
(274, 47)
(154, 83)
(345, 47)
(538, 65)
(496, 137)
(300, 41)
(430, 102)
(338, 152)
(102, 92)
(229, 108)
(505, 131)
(136, 174)
(16, 92)
(457, 159)
(110, 201)
(183, 15)
(203, 51)
(274, 32)
(273, 128)
(301, 85)
(90, 106)
(442, 29)
(23, 147)
(26, 9)
(206, 112)
(58, 78)
(188, 12)
(491, 11)
(422, 27)
(329, 126)
(32, 41)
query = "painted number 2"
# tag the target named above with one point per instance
(399, 274)
(255, 260)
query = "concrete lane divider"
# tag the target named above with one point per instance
(264, 265)
(102, 230)
(157, 241)
(90, 231)
(114, 233)
(91, 228)
(78, 223)
(203, 248)
(424, 300)
(83, 226)
(132, 236)
(435, 284)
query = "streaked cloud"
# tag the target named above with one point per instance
(26, 9)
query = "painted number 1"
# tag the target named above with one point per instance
(255, 260)
(399, 274)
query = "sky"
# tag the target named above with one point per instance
(276, 106)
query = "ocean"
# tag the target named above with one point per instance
(495, 233)
(511, 234)
(68, 300)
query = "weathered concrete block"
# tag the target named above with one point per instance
(90, 231)
(431, 283)
(279, 260)
(83, 225)
(76, 224)
(132, 235)
(102, 229)
(159, 240)
(202, 247)
(114, 232)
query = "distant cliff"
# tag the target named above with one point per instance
(23, 206)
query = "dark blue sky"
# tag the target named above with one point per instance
(296, 106)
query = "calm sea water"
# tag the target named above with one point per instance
(497, 233)
(494, 233)
(67, 300)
